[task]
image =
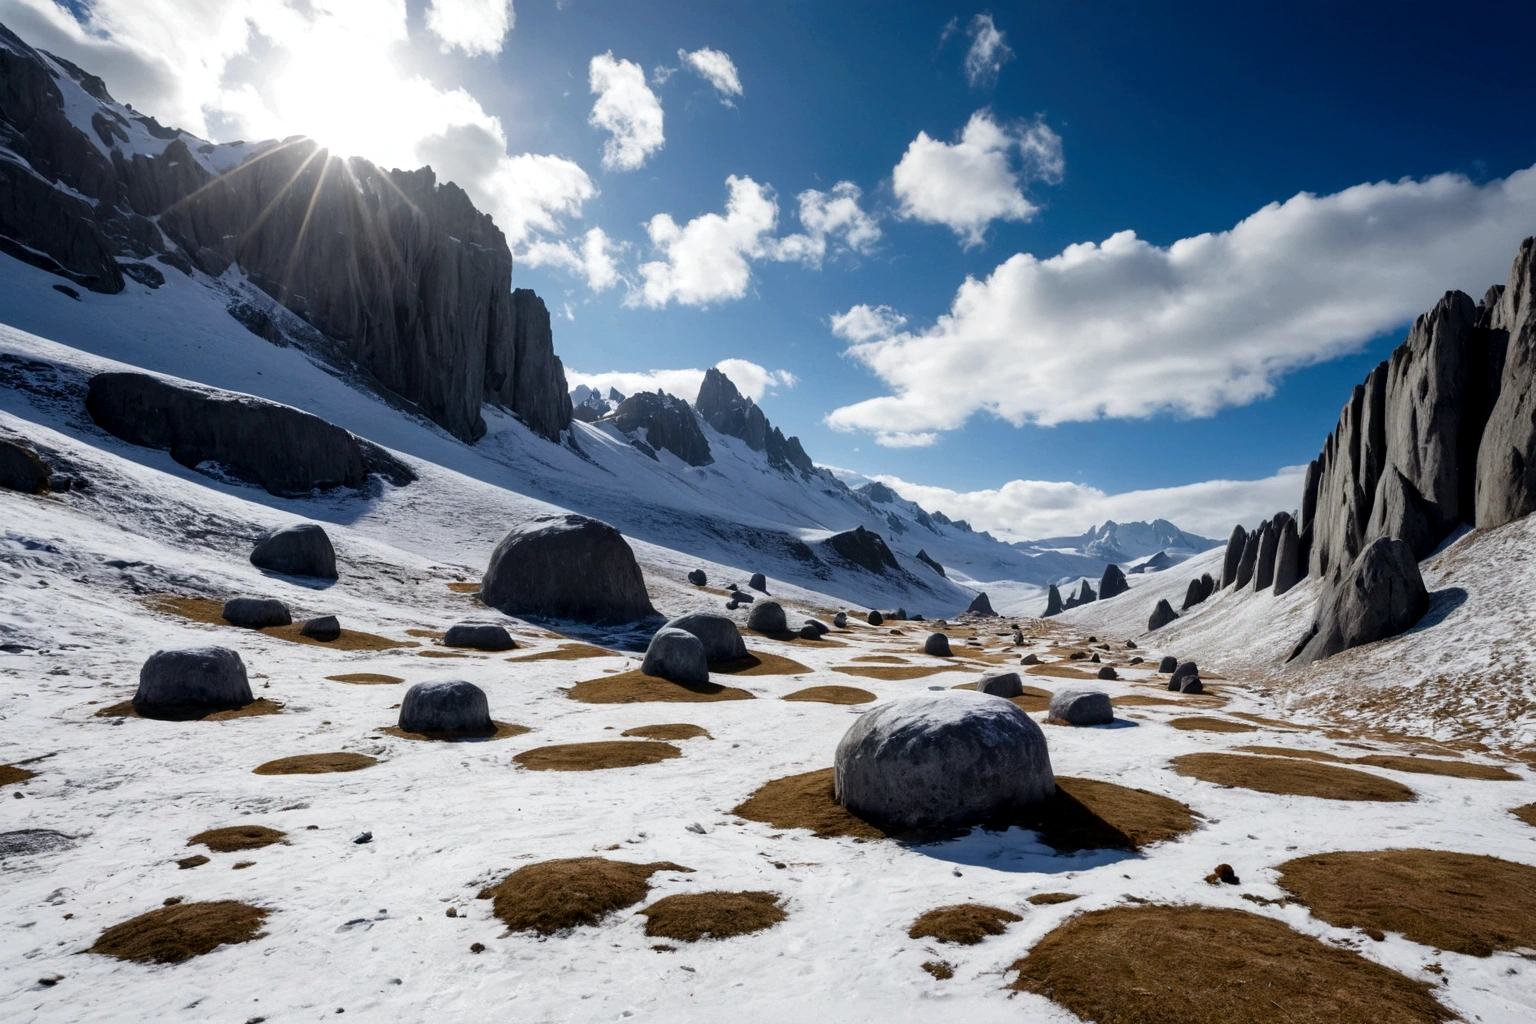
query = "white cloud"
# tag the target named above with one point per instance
(864, 323)
(1032, 509)
(716, 68)
(591, 257)
(751, 380)
(988, 52)
(837, 215)
(968, 184)
(1126, 329)
(475, 26)
(626, 109)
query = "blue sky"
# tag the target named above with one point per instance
(1124, 367)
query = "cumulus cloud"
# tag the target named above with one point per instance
(714, 67)
(863, 323)
(1127, 329)
(627, 110)
(592, 257)
(966, 185)
(988, 53)
(475, 26)
(709, 259)
(1033, 509)
(750, 379)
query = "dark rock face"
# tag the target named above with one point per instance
(1234, 556)
(669, 423)
(877, 492)
(1052, 602)
(1289, 568)
(286, 450)
(922, 556)
(325, 629)
(196, 677)
(405, 277)
(566, 566)
(256, 612)
(1379, 596)
(302, 550)
(980, 605)
(1001, 684)
(20, 468)
(1269, 542)
(676, 655)
(768, 617)
(723, 407)
(1081, 707)
(934, 760)
(719, 635)
(1250, 559)
(1112, 583)
(1161, 615)
(937, 645)
(1506, 456)
(863, 548)
(479, 636)
(1196, 594)
(447, 709)
(698, 578)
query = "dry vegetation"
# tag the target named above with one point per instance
(556, 895)
(10, 774)
(832, 695)
(209, 612)
(1289, 777)
(172, 934)
(569, 652)
(365, 678)
(897, 673)
(316, 764)
(192, 712)
(238, 837)
(670, 731)
(1437, 766)
(588, 757)
(1527, 813)
(805, 801)
(1049, 899)
(1202, 724)
(499, 731)
(635, 687)
(963, 923)
(690, 917)
(759, 663)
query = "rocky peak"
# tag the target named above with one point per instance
(730, 412)
(668, 422)
(878, 493)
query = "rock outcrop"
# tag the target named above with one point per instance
(730, 412)
(1379, 596)
(566, 566)
(285, 450)
(1161, 615)
(669, 424)
(1053, 604)
(1269, 543)
(923, 556)
(1112, 583)
(863, 548)
(980, 605)
(1506, 457)
(21, 469)
(1198, 591)
(1290, 567)
(1234, 556)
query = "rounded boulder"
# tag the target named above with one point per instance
(1168, 664)
(758, 582)
(325, 629)
(875, 618)
(452, 708)
(197, 676)
(479, 636)
(1186, 670)
(840, 620)
(302, 550)
(676, 655)
(1081, 707)
(256, 612)
(941, 759)
(937, 645)
(1108, 672)
(566, 566)
(768, 617)
(1001, 684)
(698, 578)
(719, 635)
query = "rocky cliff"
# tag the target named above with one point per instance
(729, 411)
(406, 278)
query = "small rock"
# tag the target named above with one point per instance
(840, 620)
(809, 632)
(1137, 661)
(1161, 615)
(1192, 684)
(325, 629)
(676, 655)
(1186, 670)
(256, 612)
(937, 645)
(1130, 645)
(1108, 672)
(698, 578)
(479, 636)
(1030, 659)
(477, 947)
(700, 829)
(453, 912)
(21, 469)
(875, 618)
(822, 629)
(1226, 875)
(1094, 659)
(363, 839)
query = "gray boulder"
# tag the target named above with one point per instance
(1186, 670)
(840, 620)
(1379, 596)
(937, 645)
(821, 628)
(566, 566)
(875, 618)
(452, 708)
(21, 469)
(941, 759)
(1081, 707)
(211, 677)
(1235, 547)
(677, 655)
(1195, 594)
(1108, 672)
(256, 612)
(1161, 615)
(768, 617)
(1052, 602)
(698, 578)
(1168, 663)
(1113, 583)
(325, 629)
(479, 636)
(1001, 684)
(302, 550)
(721, 639)
(758, 582)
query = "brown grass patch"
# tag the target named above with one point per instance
(1438, 766)
(427, 634)
(1060, 670)
(172, 934)
(209, 612)
(502, 730)
(1050, 899)
(1273, 723)
(1201, 724)
(569, 652)
(441, 654)
(1308, 755)
(832, 695)
(805, 801)
(760, 663)
(1201, 965)
(10, 775)
(881, 659)
(712, 915)
(1289, 777)
(316, 764)
(1458, 901)
(197, 860)
(556, 895)
(1137, 700)
(939, 969)
(590, 757)
(192, 712)
(897, 673)
(365, 678)
(963, 923)
(1527, 813)
(464, 588)
(238, 837)
(635, 687)
(671, 731)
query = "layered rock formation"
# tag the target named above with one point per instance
(669, 425)
(863, 548)
(726, 409)
(410, 282)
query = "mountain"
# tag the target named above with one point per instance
(1127, 542)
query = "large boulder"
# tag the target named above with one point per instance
(21, 469)
(1194, 594)
(1506, 457)
(719, 635)
(941, 759)
(451, 708)
(863, 548)
(1379, 596)
(479, 636)
(256, 612)
(1001, 683)
(1081, 707)
(566, 566)
(1168, 663)
(768, 617)
(212, 677)
(302, 550)
(980, 606)
(1113, 583)
(875, 618)
(1234, 555)
(677, 655)
(937, 645)
(1161, 615)
(1052, 602)
(285, 450)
